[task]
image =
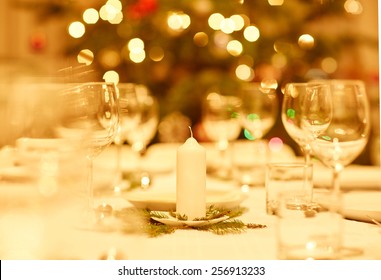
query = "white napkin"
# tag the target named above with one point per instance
(352, 177)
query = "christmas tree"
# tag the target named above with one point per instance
(181, 48)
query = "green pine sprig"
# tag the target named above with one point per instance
(141, 220)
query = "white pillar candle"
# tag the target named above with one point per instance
(191, 179)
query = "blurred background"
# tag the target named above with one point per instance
(180, 49)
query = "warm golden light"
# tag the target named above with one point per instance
(244, 72)
(353, 7)
(109, 58)
(156, 53)
(90, 16)
(178, 21)
(239, 22)
(251, 33)
(215, 20)
(269, 83)
(329, 65)
(117, 19)
(200, 39)
(234, 47)
(306, 41)
(227, 26)
(135, 45)
(85, 56)
(111, 77)
(276, 2)
(138, 56)
(111, 11)
(279, 60)
(76, 29)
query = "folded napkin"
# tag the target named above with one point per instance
(352, 177)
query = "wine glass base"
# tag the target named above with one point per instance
(100, 219)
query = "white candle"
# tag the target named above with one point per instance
(191, 179)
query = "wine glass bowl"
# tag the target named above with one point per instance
(347, 134)
(259, 109)
(145, 127)
(221, 123)
(306, 112)
(89, 116)
(129, 116)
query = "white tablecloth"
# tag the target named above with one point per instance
(59, 242)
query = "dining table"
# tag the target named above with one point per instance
(361, 238)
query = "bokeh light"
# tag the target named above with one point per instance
(306, 41)
(234, 47)
(244, 72)
(76, 29)
(178, 21)
(90, 16)
(353, 7)
(201, 39)
(239, 22)
(275, 144)
(329, 65)
(215, 20)
(227, 26)
(275, 2)
(156, 53)
(251, 33)
(85, 56)
(111, 77)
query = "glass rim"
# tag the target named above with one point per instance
(289, 164)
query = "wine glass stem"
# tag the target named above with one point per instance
(118, 164)
(90, 190)
(307, 154)
(336, 179)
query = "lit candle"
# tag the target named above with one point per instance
(191, 179)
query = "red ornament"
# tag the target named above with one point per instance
(38, 42)
(142, 8)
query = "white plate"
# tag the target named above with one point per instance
(172, 221)
(166, 201)
(358, 205)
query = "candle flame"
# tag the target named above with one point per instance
(191, 132)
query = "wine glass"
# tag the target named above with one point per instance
(144, 130)
(306, 111)
(129, 116)
(258, 115)
(348, 132)
(259, 109)
(220, 120)
(90, 115)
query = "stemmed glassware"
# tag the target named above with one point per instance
(306, 112)
(91, 116)
(144, 130)
(346, 136)
(259, 109)
(129, 117)
(258, 115)
(220, 119)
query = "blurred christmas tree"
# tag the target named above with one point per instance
(181, 48)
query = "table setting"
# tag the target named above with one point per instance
(68, 191)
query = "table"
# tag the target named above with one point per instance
(59, 242)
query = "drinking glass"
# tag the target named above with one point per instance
(220, 119)
(259, 109)
(145, 127)
(129, 116)
(91, 116)
(306, 112)
(348, 132)
(258, 115)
